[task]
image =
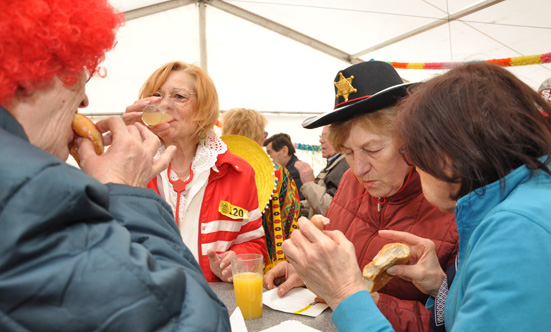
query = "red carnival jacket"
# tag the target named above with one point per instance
(408, 210)
(234, 183)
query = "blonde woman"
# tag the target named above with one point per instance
(211, 191)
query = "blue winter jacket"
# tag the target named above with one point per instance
(77, 255)
(503, 280)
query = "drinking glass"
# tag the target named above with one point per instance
(247, 270)
(153, 115)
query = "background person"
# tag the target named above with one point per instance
(204, 183)
(318, 192)
(282, 151)
(83, 252)
(280, 216)
(545, 90)
(482, 146)
(380, 191)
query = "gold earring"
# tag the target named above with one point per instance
(202, 134)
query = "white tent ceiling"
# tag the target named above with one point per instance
(291, 70)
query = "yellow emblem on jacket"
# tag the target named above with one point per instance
(232, 211)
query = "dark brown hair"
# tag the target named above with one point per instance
(279, 141)
(479, 120)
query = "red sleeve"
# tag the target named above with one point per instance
(254, 245)
(410, 316)
(247, 190)
(257, 246)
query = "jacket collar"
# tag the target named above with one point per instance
(333, 158)
(472, 208)
(228, 159)
(10, 124)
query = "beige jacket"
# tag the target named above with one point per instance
(319, 194)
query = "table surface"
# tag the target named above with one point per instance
(271, 317)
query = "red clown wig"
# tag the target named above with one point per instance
(43, 38)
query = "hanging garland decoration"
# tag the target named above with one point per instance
(308, 147)
(505, 62)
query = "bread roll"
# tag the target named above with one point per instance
(84, 127)
(374, 273)
(320, 221)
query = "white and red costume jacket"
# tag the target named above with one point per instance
(231, 180)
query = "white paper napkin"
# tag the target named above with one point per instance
(297, 301)
(237, 322)
(291, 326)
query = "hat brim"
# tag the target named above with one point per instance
(381, 99)
(263, 166)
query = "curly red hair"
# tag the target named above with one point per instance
(43, 38)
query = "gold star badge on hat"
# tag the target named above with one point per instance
(344, 87)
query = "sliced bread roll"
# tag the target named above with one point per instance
(374, 273)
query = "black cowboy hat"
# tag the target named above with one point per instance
(362, 88)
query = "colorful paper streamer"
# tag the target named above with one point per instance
(505, 62)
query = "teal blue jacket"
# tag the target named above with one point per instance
(503, 280)
(77, 255)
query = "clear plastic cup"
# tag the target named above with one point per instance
(153, 115)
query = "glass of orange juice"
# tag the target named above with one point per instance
(153, 115)
(247, 270)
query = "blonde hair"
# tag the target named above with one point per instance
(380, 121)
(245, 122)
(206, 114)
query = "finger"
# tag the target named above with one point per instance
(159, 128)
(227, 272)
(85, 148)
(225, 259)
(405, 237)
(161, 163)
(130, 118)
(113, 124)
(309, 230)
(406, 272)
(211, 254)
(284, 288)
(290, 249)
(336, 236)
(268, 280)
(275, 273)
(319, 300)
(151, 142)
(140, 104)
(135, 132)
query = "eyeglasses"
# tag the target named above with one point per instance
(179, 97)
(323, 138)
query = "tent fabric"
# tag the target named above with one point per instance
(258, 68)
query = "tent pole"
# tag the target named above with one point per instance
(156, 8)
(430, 26)
(203, 35)
(282, 30)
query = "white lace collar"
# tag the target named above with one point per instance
(206, 155)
